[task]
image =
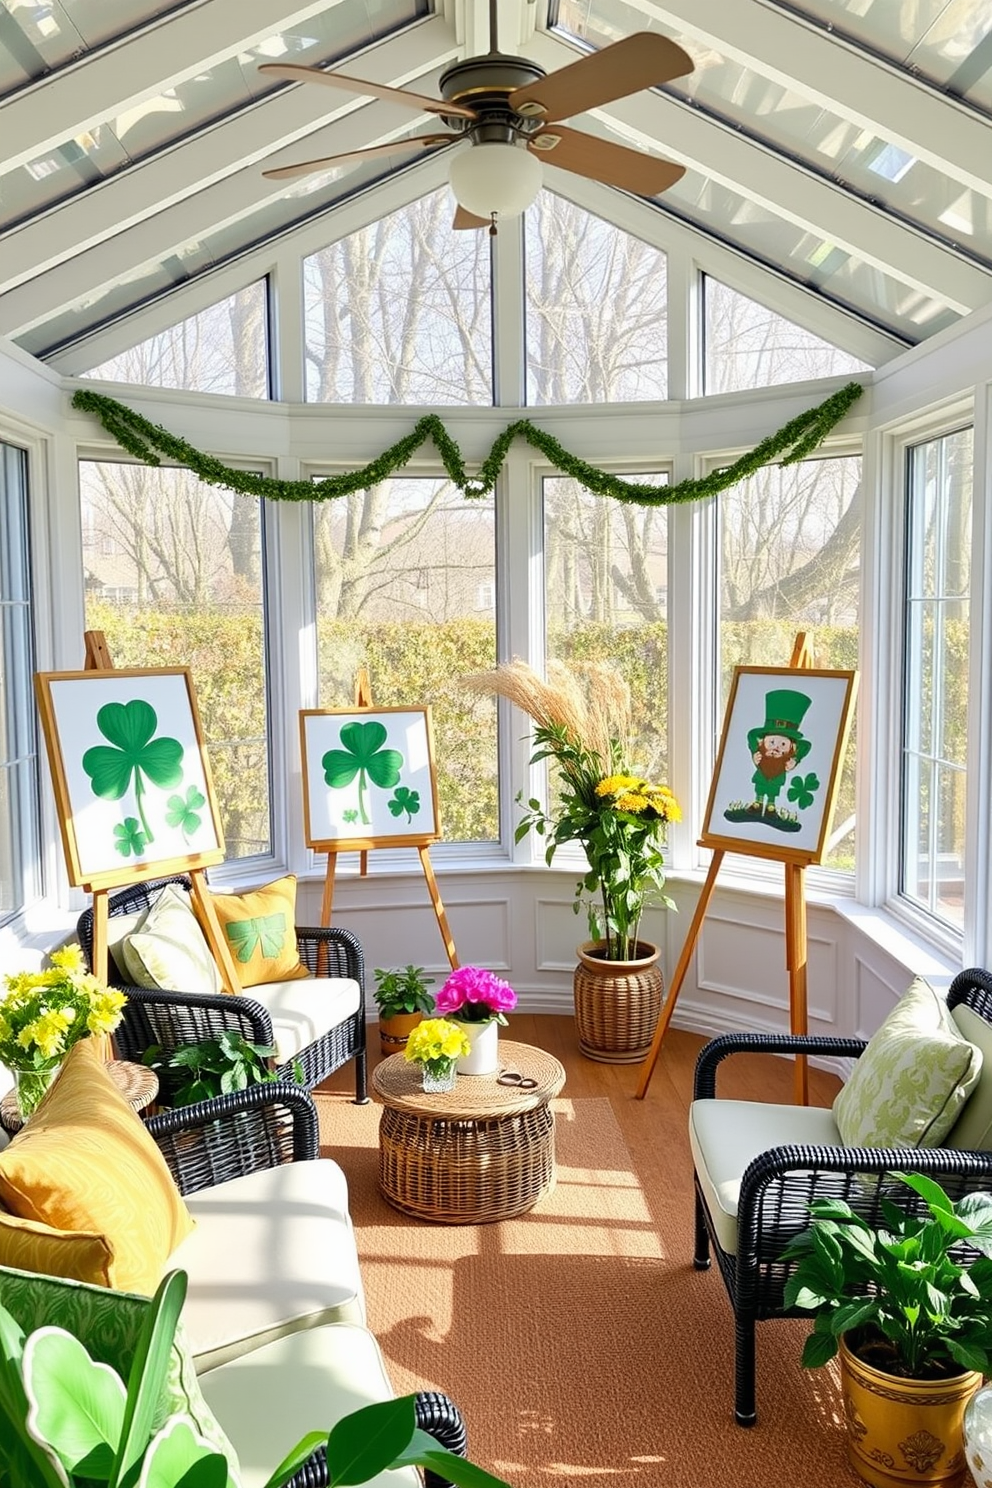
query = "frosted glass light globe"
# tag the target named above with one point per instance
(498, 178)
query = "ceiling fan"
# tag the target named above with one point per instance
(506, 109)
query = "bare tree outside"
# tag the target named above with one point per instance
(223, 349)
(400, 312)
(746, 345)
(597, 327)
(169, 587)
(790, 554)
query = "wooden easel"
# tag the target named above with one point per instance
(795, 943)
(98, 658)
(363, 699)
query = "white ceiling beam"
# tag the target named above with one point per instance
(786, 190)
(154, 238)
(106, 213)
(840, 78)
(102, 85)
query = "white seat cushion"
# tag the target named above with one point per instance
(271, 1253)
(268, 1399)
(727, 1135)
(304, 1009)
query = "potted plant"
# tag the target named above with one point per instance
(619, 819)
(907, 1303)
(478, 1001)
(68, 1422)
(212, 1067)
(402, 998)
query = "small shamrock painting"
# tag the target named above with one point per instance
(130, 770)
(369, 776)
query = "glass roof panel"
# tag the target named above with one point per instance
(808, 260)
(835, 148)
(38, 36)
(216, 92)
(948, 42)
(307, 198)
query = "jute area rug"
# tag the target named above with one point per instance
(578, 1340)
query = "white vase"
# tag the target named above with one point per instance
(483, 1058)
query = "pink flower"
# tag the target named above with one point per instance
(475, 995)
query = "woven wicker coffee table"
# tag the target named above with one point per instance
(478, 1153)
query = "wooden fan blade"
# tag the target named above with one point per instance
(640, 61)
(601, 160)
(464, 220)
(395, 147)
(295, 72)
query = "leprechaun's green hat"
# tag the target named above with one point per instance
(784, 712)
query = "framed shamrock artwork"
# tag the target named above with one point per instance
(368, 778)
(130, 773)
(779, 762)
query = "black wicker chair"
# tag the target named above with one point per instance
(261, 1127)
(172, 1019)
(777, 1188)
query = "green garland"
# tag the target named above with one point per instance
(148, 441)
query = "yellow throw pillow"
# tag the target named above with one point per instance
(84, 1162)
(27, 1245)
(261, 931)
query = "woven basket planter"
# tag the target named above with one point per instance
(617, 1003)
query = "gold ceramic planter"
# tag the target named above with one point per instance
(902, 1431)
(394, 1031)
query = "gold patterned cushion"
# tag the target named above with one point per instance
(261, 931)
(84, 1162)
(30, 1246)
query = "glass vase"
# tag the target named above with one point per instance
(439, 1076)
(30, 1085)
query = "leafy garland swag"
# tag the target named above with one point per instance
(147, 441)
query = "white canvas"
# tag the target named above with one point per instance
(368, 774)
(779, 805)
(130, 760)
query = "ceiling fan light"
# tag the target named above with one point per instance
(495, 177)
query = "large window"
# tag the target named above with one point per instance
(748, 346)
(597, 309)
(606, 566)
(174, 577)
(789, 562)
(223, 349)
(405, 583)
(19, 863)
(400, 312)
(935, 707)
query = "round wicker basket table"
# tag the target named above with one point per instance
(478, 1153)
(136, 1083)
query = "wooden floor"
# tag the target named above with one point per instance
(664, 1109)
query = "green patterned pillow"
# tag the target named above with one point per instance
(108, 1324)
(910, 1084)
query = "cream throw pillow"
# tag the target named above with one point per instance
(910, 1084)
(169, 950)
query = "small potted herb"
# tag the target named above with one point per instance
(402, 998)
(908, 1305)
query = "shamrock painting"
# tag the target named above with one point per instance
(368, 776)
(780, 757)
(130, 772)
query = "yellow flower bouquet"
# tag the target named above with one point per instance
(43, 1013)
(437, 1044)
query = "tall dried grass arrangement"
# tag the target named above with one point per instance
(590, 700)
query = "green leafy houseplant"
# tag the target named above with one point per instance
(67, 1422)
(906, 1297)
(403, 990)
(618, 817)
(211, 1067)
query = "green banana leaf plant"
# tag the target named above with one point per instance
(66, 1421)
